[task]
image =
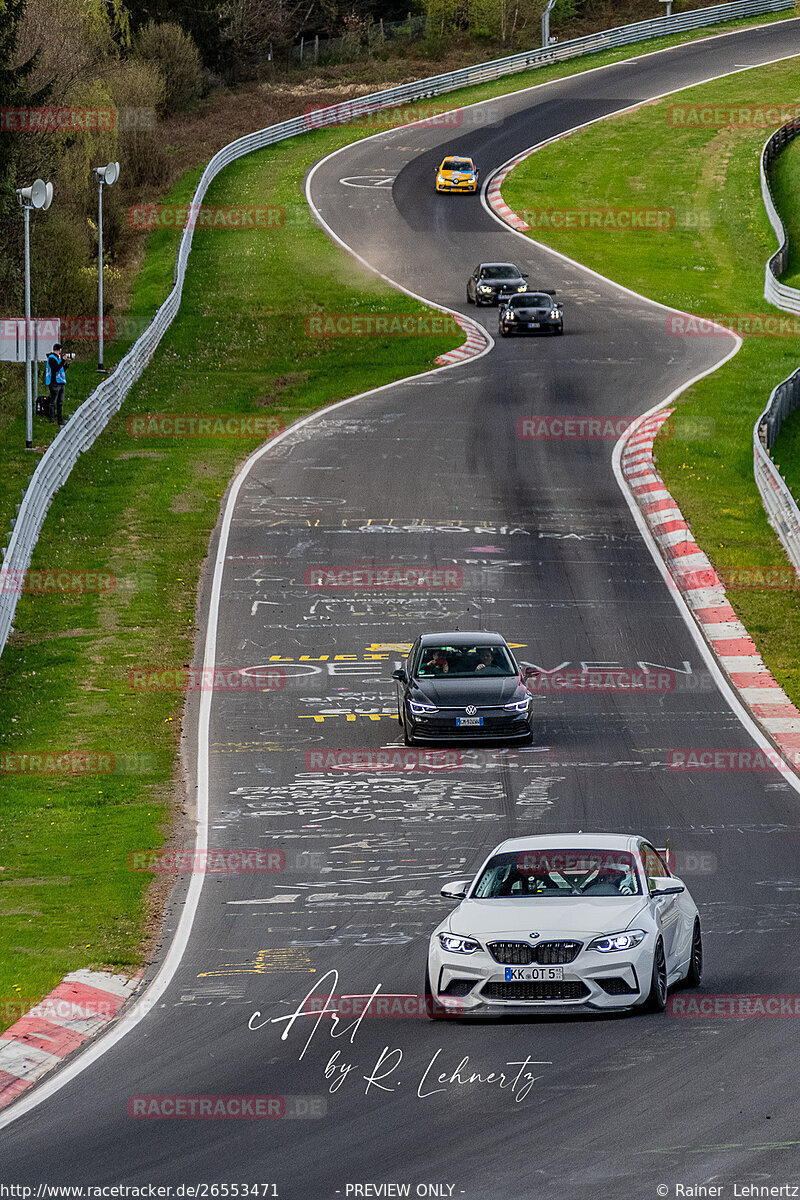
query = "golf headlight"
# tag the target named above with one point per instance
(614, 942)
(523, 287)
(453, 944)
(418, 707)
(484, 288)
(518, 705)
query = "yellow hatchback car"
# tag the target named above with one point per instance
(457, 175)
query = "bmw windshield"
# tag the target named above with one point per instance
(557, 875)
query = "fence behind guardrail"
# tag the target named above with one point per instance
(778, 501)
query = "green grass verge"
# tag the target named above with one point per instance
(785, 181)
(145, 510)
(712, 262)
(785, 178)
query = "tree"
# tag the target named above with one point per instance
(15, 92)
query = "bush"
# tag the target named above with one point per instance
(174, 54)
(138, 90)
(61, 247)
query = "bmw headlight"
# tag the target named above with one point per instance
(554, 313)
(483, 288)
(509, 315)
(523, 287)
(614, 942)
(518, 705)
(454, 944)
(418, 707)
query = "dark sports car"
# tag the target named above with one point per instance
(490, 283)
(530, 312)
(459, 686)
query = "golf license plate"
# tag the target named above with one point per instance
(469, 721)
(533, 974)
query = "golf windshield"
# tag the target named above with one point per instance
(462, 662)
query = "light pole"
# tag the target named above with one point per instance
(108, 175)
(546, 23)
(38, 195)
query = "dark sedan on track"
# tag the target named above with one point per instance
(463, 686)
(530, 312)
(490, 283)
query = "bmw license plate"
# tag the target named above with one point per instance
(533, 974)
(469, 721)
(533, 325)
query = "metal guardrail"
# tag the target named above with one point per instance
(776, 292)
(780, 505)
(92, 416)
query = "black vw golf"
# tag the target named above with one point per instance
(459, 686)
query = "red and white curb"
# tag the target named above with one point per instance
(476, 342)
(82, 1005)
(704, 593)
(496, 200)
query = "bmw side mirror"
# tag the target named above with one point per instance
(669, 886)
(456, 890)
(400, 675)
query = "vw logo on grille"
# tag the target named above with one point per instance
(470, 710)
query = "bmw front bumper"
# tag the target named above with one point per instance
(477, 985)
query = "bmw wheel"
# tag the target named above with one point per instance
(657, 996)
(695, 972)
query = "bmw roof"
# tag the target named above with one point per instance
(571, 841)
(470, 638)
